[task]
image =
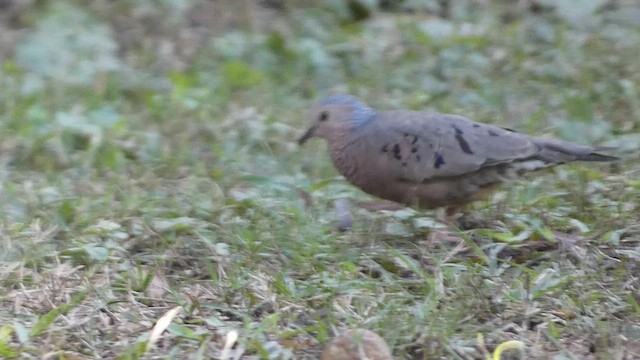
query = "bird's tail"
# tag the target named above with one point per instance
(558, 152)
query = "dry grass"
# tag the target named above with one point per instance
(163, 173)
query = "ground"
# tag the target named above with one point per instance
(148, 162)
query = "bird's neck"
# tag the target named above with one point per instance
(344, 153)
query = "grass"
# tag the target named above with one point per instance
(154, 165)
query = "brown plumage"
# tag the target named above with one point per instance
(430, 160)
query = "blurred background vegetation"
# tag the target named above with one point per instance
(147, 160)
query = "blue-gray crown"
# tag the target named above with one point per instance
(361, 113)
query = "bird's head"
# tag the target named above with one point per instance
(335, 115)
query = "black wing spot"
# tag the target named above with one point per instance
(414, 150)
(414, 139)
(439, 161)
(464, 145)
(493, 133)
(396, 152)
(385, 148)
(476, 125)
(418, 158)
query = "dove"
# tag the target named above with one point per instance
(430, 160)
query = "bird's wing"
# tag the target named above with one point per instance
(420, 146)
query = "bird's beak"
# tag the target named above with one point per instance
(308, 135)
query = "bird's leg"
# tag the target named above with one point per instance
(450, 211)
(343, 212)
(452, 216)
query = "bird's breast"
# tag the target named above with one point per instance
(348, 160)
(362, 167)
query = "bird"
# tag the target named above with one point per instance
(357, 344)
(430, 160)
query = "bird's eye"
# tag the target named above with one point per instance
(324, 116)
